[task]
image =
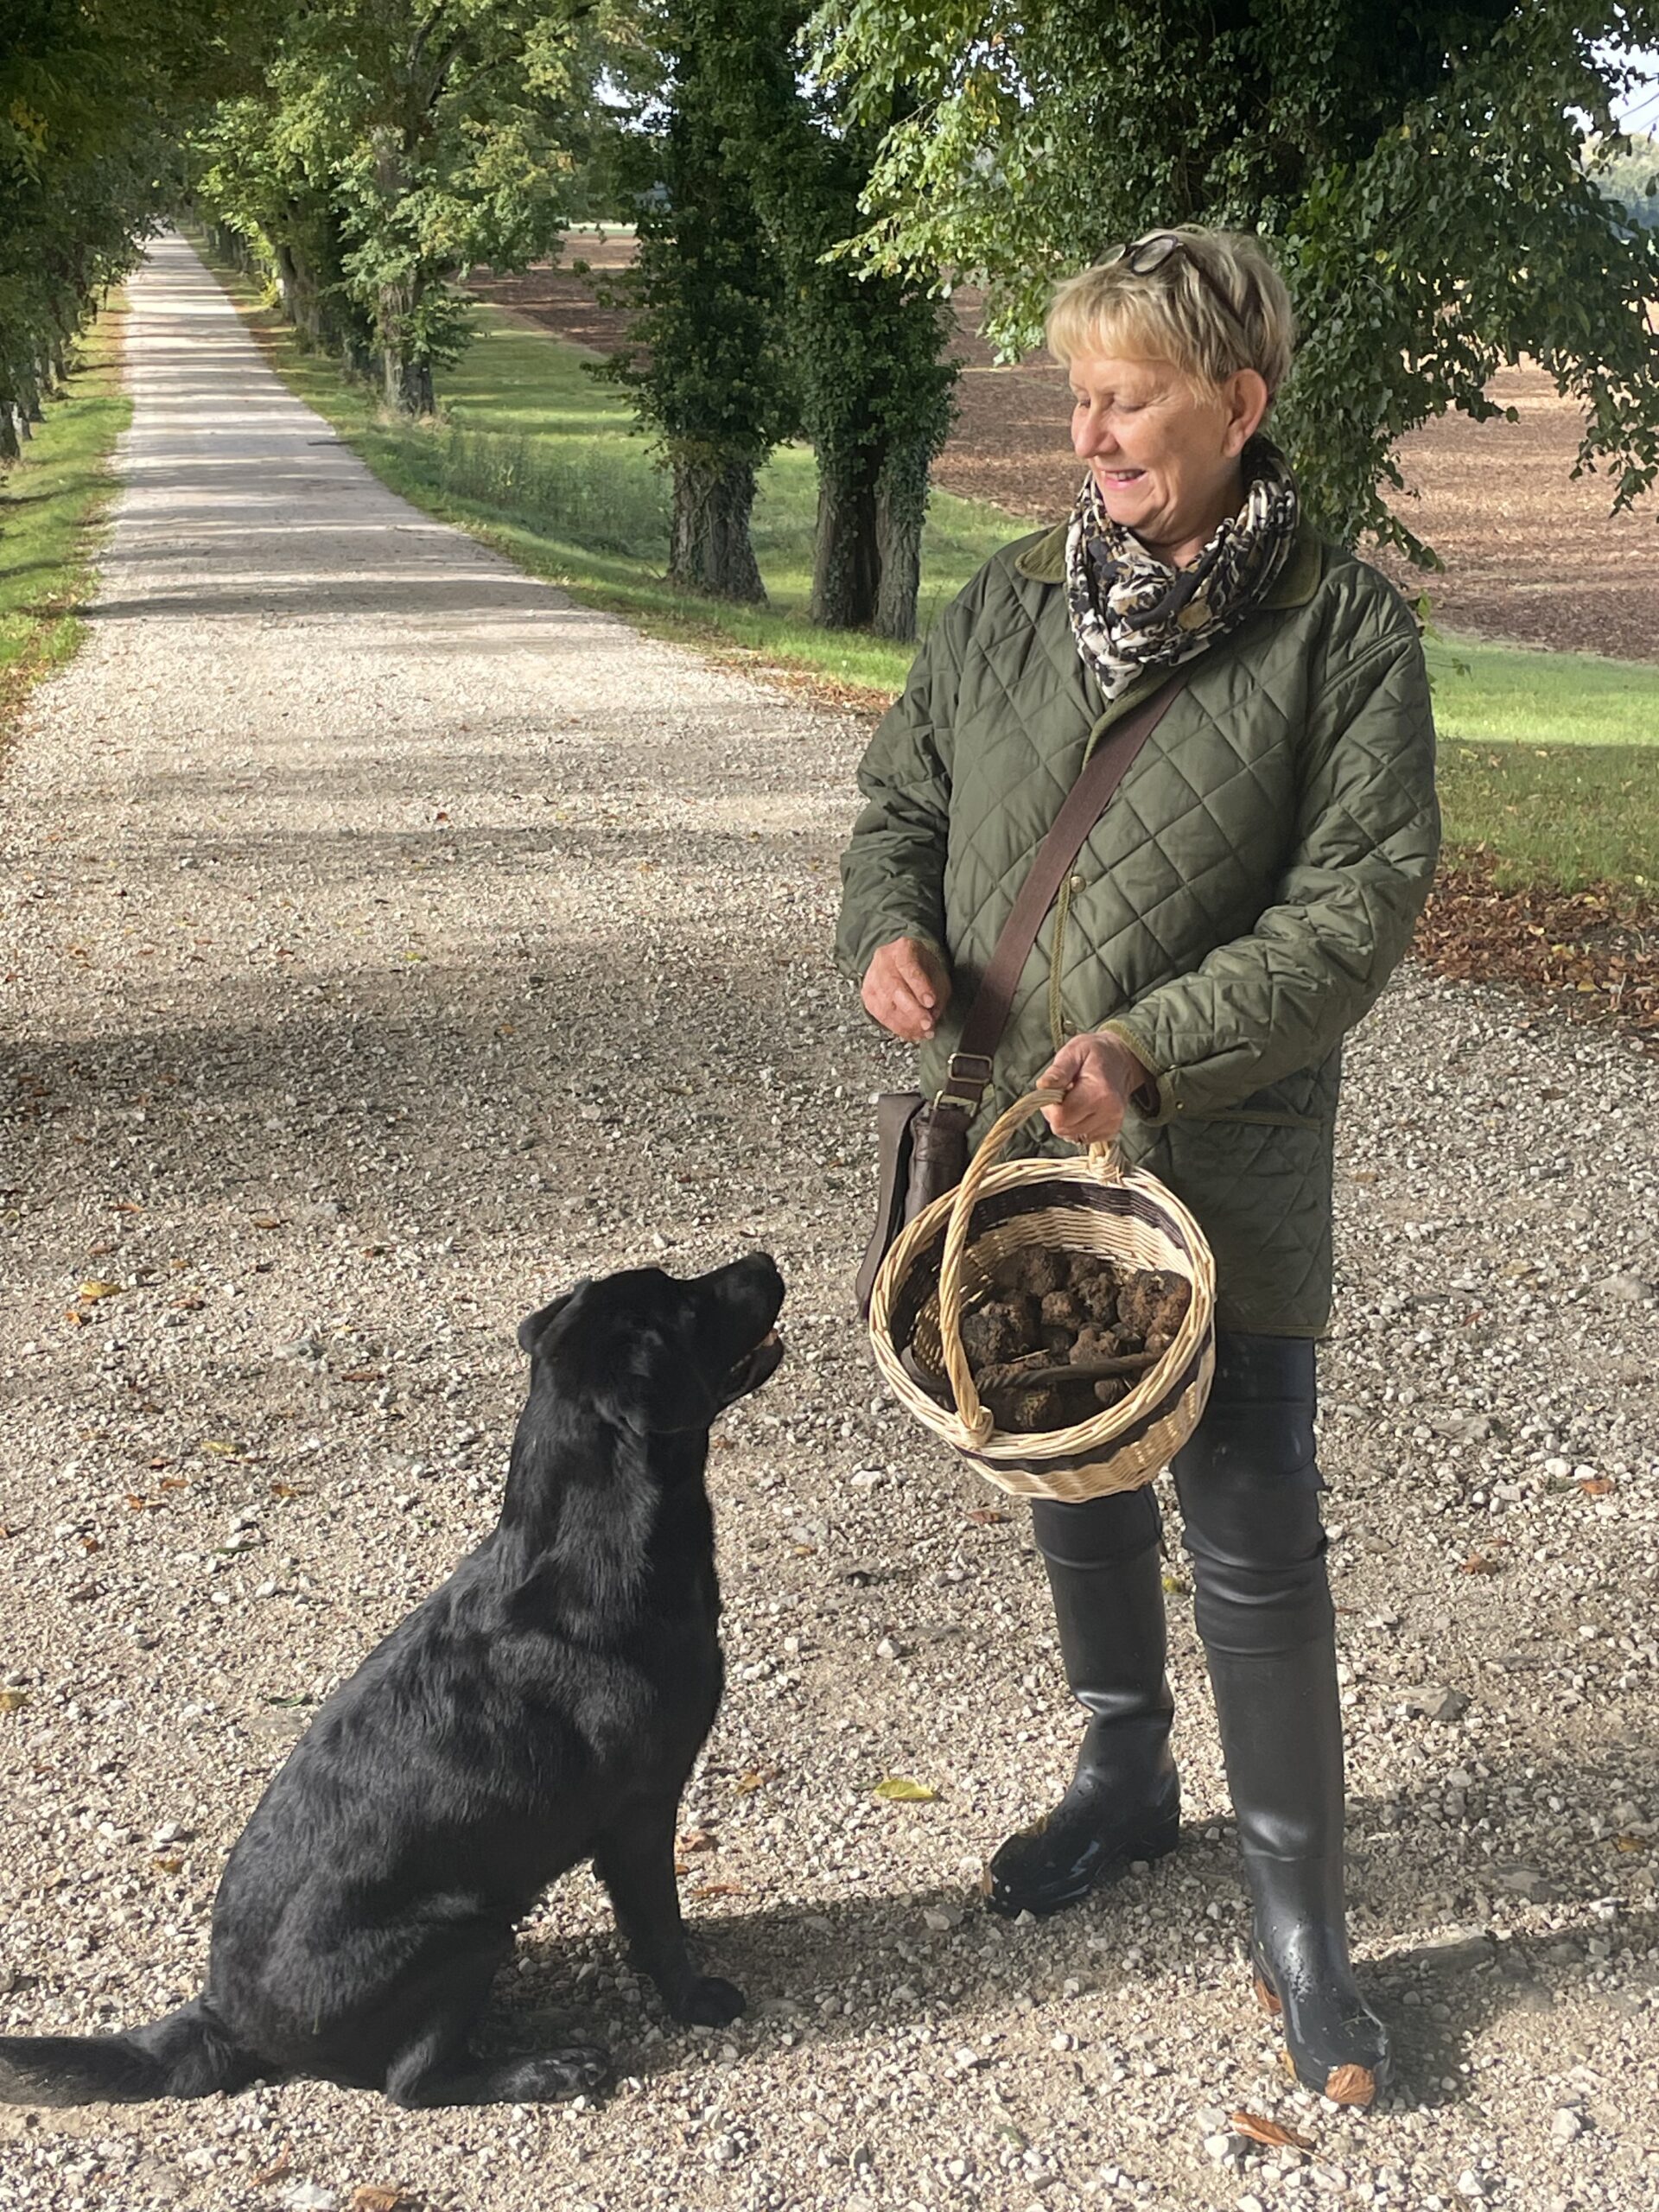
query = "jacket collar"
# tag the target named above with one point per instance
(1044, 562)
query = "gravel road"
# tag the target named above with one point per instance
(385, 941)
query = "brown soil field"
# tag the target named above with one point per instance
(1531, 554)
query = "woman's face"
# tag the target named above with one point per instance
(1164, 456)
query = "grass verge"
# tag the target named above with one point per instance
(50, 502)
(1551, 760)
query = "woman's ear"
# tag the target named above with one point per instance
(1246, 398)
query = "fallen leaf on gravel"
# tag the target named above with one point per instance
(280, 2171)
(699, 1839)
(900, 1790)
(126, 1205)
(75, 1316)
(376, 2197)
(174, 1482)
(1596, 1485)
(1174, 1587)
(167, 1865)
(1620, 1842)
(985, 1517)
(364, 1375)
(221, 1447)
(191, 1303)
(717, 1890)
(265, 1220)
(1478, 1563)
(11, 1699)
(95, 1288)
(1269, 2131)
(747, 1784)
(289, 1489)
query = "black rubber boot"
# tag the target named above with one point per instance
(1106, 1575)
(1248, 1487)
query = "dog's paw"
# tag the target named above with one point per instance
(709, 2002)
(545, 2077)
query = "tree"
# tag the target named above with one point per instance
(867, 348)
(705, 367)
(1415, 166)
(392, 143)
(92, 96)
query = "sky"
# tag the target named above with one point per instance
(1638, 112)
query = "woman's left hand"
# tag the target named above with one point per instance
(1099, 1075)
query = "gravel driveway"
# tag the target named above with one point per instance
(386, 941)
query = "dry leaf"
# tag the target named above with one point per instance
(1596, 1485)
(174, 1482)
(126, 1205)
(1620, 1842)
(1478, 1563)
(280, 2171)
(699, 1839)
(747, 1784)
(378, 2196)
(900, 1790)
(189, 1303)
(75, 1317)
(221, 1447)
(289, 1489)
(718, 1890)
(265, 1220)
(1269, 2131)
(11, 1700)
(167, 1865)
(985, 1517)
(94, 1289)
(364, 1375)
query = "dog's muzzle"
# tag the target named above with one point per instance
(753, 1369)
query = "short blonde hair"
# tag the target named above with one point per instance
(1174, 312)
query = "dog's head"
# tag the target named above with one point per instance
(656, 1353)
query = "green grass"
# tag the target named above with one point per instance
(50, 502)
(1551, 760)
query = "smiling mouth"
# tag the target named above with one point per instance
(753, 1369)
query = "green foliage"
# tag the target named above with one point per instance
(92, 94)
(392, 143)
(1416, 167)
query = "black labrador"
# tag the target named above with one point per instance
(544, 1706)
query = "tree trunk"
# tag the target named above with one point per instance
(9, 447)
(845, 559)
(298, 288)
(709, 549)
(901, 510)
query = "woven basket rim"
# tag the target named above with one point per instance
(1102, 1429)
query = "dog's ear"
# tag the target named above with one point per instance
(530, 1328)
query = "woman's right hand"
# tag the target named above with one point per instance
(906, 988)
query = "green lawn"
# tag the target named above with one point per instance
(49, 502)
(1551, 760)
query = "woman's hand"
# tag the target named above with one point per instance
(906, 988)
(1099, 1076)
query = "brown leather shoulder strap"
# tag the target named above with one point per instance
(988, 1017)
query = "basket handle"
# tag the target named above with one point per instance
(975, 1418)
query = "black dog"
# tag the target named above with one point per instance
(544, 1706)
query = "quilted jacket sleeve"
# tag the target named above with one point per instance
(1280, 999)
(893, 870)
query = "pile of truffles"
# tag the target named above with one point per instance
(1057, 1336)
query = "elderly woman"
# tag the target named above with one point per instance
(1239, 905)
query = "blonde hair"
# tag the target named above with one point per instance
(1172, 313)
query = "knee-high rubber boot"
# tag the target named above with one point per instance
(1250, 1493)
(1105, 1574)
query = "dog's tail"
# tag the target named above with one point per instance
(188, 2054)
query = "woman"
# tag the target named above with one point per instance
(1241, 903)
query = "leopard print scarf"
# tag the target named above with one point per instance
(1129, 612)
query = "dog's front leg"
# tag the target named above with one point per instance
(635, 1862)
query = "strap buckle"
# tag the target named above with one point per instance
(968, 1078)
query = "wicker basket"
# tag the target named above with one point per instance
(944, 1259)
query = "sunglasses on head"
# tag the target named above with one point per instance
(1142, 256)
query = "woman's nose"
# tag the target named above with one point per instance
(1091, 435)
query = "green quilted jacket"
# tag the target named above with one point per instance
(1240, 904)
